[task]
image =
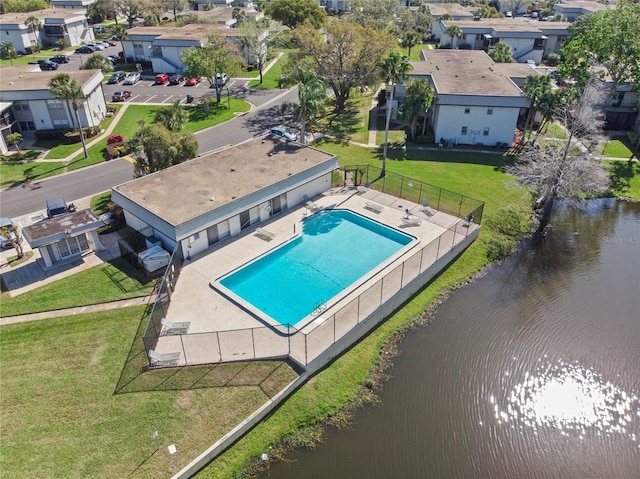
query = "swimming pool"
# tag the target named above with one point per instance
(301, 277)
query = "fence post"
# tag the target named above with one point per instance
(184, 351)
(439, 197)
(219, 347)
(306, 351)
(253, 343)
(438, 249)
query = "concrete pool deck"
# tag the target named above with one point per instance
(219, 330)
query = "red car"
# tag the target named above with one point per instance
(161, 78)
(191, 81)
(112, 43)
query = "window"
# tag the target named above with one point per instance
(485, 132)
(55, 104)
(464, 130)
(467, 110)
(245, 219)
(61, 124)
(21, 106)
(489, 111)
(27, 126)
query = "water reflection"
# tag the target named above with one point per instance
(570, 397)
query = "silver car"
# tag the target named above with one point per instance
(7, 224)
(132, 78)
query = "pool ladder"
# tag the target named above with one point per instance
(319, 307)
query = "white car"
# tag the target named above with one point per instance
(132, 78)
(5, 242)
(285, 133)
(96, 46)
(104, 44)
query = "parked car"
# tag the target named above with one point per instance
(193, 81)
(221, 79)
(102, 44)
(132, 78)
(5, 241)
(176, 79)
(285, 133)
(56, 207)
(121, 95)
(85, 49)
(59, 59)
(100, 29)
(112, 43)
(113, 59)
(161, 78)
(47, 65)
(116, 77)
(96, 46)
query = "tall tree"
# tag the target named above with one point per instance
(409, 40)
(513, 6)
(256, 40)
(393, 67)
(347, 58)
(608, 38)
(120, 32)
(23, 6)
(64, 88)
(311, 95)
(15, 138)
(172, 117)
(97, 61)
(129, 9)
(487, 11)
(292, 13)
(418, 98)
(216, 55)
(175, 6)
(562, 169)
(156, 148)
(455, 32)
(501, 53)
(535, 88)
(374, 13)
(101, 10)
(8, 51)
(34, 25)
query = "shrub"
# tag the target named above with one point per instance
(499, 248)
(55, 134)
(553, 59)
(115, 139)
(464, 46)
(427, 139)
(116, 150)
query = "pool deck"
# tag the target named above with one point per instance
(218, 329)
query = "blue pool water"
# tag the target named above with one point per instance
(335, 249)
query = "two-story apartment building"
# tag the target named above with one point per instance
(69, 24)
(33, 107)
(529, 40)
(76, 4)
(571, 10)
(478, 101)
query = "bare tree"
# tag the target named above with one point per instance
(565, 169)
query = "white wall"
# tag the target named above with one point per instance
(451, 119)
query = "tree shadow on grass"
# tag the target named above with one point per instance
(498, 159)
(341, 125)
(621, 173)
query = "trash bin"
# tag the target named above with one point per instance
(189, 99)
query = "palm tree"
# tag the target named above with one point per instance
(501, 53)
(392, 67)
(120, 32)
(8, 51)
(418, 98)
(455, 32)
(172, 117)
(34, 24)
(312, 92)
(97, 61)
(535, 88)
(409, 40)
(64, 88)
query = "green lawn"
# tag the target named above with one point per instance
(100, 284)
(270, 79)
(219, 114)
(61, 414)
(617, 148)
(625, 179)
(15, 173)
(415, 51)
(43, 54)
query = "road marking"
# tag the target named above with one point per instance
(150, 98)
(129, 159)
(132, 97)
(168, 98)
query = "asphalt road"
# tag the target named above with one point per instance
(22, 200)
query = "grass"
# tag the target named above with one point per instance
(353, 123)
(270, 78)
(12, 174)
(101, 284)
(219, 113)
(99, 203)
(625, 179)
(43, 54)
(554, 130)
(619, 147)
(62, 418)
(58, 151)
(415, 51)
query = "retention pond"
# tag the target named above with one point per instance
(533, 371)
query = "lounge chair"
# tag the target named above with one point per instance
(411, 221)
(158, 360)
(426, 209)
(375, 207)
(264, 234)
(170, 328)
(312, 207)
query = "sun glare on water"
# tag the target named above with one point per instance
(571, 398)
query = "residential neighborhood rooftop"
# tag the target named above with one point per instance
(20, 18)
(29, 77)
(470, 72)
(454, 9)
(506, 25)
(198, 186)
(585, 5)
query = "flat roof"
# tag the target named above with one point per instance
(188, 190)
(21, 78)
(454, 9)
(54, 229)
(19, 18)
(508, 25)
(583, 4)
(471, 72)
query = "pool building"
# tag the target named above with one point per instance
(226, 215)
